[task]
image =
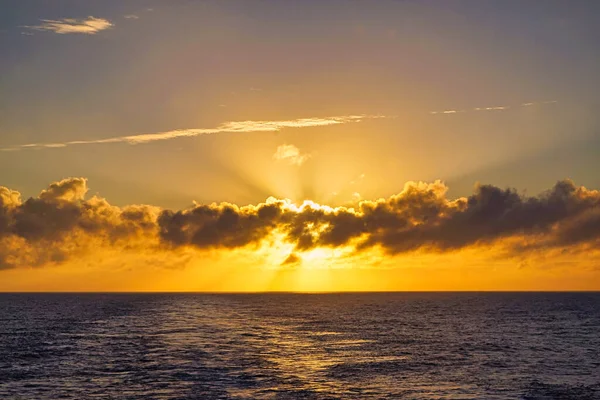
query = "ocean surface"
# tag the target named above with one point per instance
(300, 346)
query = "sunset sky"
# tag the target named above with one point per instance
(299, 145)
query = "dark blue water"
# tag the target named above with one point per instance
(287, 346)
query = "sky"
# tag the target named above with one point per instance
(299, 146)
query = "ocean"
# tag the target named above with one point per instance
(300, 346)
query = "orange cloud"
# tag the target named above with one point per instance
(90, 25)
(291, 154)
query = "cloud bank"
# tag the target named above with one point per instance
(89, 26)
(227, 127)
(60, 223)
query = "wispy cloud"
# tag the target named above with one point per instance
(348, 192)
(447, 112)
(497, 108)
(358, 179)
(90, 25)
(131, 16)
(227, 127)
(494, 108)
(290, 154)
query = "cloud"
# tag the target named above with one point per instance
(497, 108)
(494, 108)
(69, 189)
(60, 223)
(227, 127)
(349, 193)
(447, 112)
(358, 179)
(90, 25)
(131, 16)
(291, 260)
(290, 154)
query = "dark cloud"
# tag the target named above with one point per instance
(224, 225)
(489, 214)
(418, 217)
(291, 260)
(60, 223)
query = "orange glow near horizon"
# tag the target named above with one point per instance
(318, 270)
(281, 245)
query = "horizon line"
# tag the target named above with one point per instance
(303, 292)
